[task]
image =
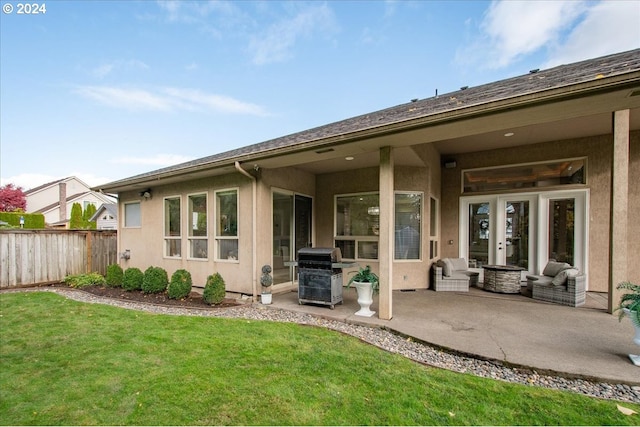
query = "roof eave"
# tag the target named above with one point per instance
(578, 90)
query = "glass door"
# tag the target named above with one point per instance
(291, 232)
(498, 230)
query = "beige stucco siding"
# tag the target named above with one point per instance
(599, 159)
(147, 243)
(407, 274)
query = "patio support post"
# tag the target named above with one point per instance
(387, 221)
(618, 253)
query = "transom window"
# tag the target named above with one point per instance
(525, 176)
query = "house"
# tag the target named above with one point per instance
(55, 199)
(106, 217)
(514, 172)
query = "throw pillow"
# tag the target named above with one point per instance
(561, 278)
(459, 264)
(553, 268)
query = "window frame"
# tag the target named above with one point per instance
(219, 238)
(124, 214)
(191, 239)
(169, 238)
(420, 225)
(356, 239)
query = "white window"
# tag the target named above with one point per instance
(172, 232)
(408, 225)
(357, 225)
(198, 241)
(226, 229)
(132, 215)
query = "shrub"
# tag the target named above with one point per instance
(155, 280)
(214, 290)
(180, 285)
(114, 275)
(82, 280)
(132, 279)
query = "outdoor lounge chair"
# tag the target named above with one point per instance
(453, 274)
(559, 283)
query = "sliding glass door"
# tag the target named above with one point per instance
(291, 232)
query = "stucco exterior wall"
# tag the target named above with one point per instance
(407, 274)
(146, 243)
(597, 149)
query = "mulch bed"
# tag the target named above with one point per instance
(194, 300)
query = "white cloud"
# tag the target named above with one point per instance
(566, 31)
(105, 69)
(159, 160)
(609, 27)
(168, 99)
(277, 42)
(130, 99)
(191, 98)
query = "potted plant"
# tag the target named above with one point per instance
(366, 283)
(266, 281)
(630, 306)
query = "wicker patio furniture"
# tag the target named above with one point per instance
(559, 283)
(453, 274)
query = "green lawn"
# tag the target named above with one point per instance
(69, 363)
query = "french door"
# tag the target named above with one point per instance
(525, 230)
(499, 230)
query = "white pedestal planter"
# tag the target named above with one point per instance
(365, 298)
(265, 298)
(635, 358)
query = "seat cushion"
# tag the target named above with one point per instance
(553, 268)
(543, 281)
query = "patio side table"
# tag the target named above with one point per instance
(502, 278)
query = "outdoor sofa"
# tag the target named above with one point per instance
(452, 274)
(559, 283)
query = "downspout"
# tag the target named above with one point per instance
(254, 214)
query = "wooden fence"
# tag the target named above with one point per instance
(37, 257)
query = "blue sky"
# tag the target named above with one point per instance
(105, 90)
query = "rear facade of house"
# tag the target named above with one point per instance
(537, 167)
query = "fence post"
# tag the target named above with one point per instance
(89, 252)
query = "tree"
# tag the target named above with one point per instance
(86, 216)
(12, 199)
(75, 222)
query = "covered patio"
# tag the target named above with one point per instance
(584, 342)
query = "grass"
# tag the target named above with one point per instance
(64, 362)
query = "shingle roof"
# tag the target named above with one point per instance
(532, 83)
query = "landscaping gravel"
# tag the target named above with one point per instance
(383, 339)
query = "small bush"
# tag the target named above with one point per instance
(82, 280)
(114, 275)
(214, 290)
(132, 279)
(180, 285)
(155, 280)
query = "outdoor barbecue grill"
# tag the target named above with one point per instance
(320, 276)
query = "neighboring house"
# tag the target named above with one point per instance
(55, 199)
(106, 217)
(515, 172)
